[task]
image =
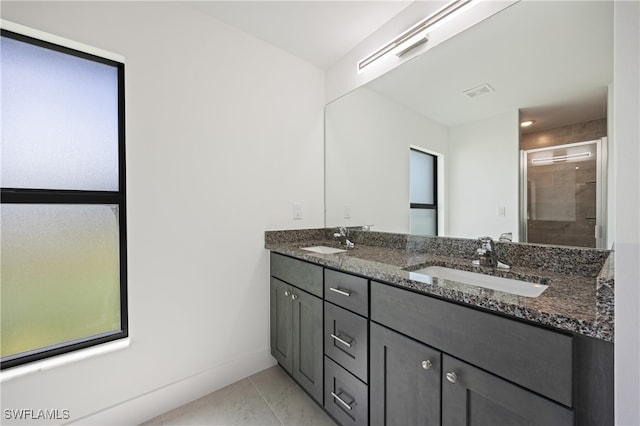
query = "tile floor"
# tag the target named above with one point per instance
(269, 397)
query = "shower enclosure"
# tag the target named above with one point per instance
(563, 198)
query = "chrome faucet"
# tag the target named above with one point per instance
(343, 234)
(487, 255)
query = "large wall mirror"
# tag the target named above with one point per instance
(462, 102)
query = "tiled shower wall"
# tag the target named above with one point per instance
(579, 229)
(579, 132)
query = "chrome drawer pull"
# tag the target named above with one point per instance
(427, 364)
(452, 377)
(339, 291)
(344, 342)
(341, 401)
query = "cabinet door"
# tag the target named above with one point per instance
(471, 396)
(307, 342)
(404, 381)
(281, 323)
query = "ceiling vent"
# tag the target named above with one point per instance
(478, 91)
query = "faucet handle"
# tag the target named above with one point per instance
(487, 243)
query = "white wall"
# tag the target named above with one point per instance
(224, 134)
(483, 176)
(368, 138)
(626, 134)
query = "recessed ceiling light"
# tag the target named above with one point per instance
(527, 123)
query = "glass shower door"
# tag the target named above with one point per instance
(563, 200)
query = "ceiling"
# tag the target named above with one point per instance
(542, 61)
(320, 32)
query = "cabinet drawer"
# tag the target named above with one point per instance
(345, 339)
(347, 290)
(303, 275)
(345, 397)
(533, 357)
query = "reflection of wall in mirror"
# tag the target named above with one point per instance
(368, 138)
(483, 177)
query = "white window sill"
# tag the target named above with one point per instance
(57, 361)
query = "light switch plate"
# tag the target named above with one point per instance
(297, 212)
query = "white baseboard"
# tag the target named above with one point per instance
(151, 404)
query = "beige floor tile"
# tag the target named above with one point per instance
(269, 397)
(236, 404)
(287, 400)
(156, 421)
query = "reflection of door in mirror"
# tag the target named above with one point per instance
(564, 194)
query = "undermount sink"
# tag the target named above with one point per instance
(507, 285)
(323, 249)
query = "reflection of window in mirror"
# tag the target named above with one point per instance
(423, 192)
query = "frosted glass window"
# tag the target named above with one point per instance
(59, 120)
(63, 239)
(60, 274)
(423, 221)
(422, 177)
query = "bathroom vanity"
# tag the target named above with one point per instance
(374, 342)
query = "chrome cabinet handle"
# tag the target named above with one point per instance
(341, 401)
(339, 291)
(427, 364)
(452, 377)
(286, 293)
(294, 296)
(344, 342)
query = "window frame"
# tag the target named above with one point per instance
(434, 205)
(77, 197)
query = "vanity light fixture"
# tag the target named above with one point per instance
(561, 158)
(417, 34)
(527, 123)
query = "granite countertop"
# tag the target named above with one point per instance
(579, 297)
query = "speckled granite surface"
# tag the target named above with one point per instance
(579, 297)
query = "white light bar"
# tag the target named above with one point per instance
(420, 27)
(561, 158)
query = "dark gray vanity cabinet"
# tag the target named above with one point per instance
(406, 378)
(374, 353)
(404, 386)
(525, 374)
(296, 321)
(474, 397)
